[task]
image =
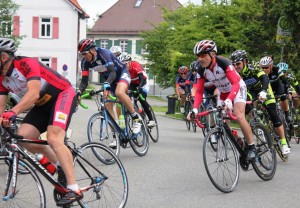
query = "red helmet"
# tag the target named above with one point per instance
(86, 44)
(183, 70)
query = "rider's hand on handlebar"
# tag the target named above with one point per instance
(7, 117)
(227, 104)
(262, 95)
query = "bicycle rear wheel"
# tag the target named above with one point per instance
(138, 142)
(98, 130)
(29, 189)
(153, 130)
(266, 162)
(103, 185)
(222, 164)
(187, 108)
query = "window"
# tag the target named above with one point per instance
(6, 28)
(124, 45)
(46, 28)
(104, 44)
(45, 61)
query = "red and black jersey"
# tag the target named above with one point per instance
(135, 69)
(25, 69)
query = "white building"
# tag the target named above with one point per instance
(51, 31)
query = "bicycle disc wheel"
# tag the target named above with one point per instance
(29, 190)
(98, 130)
(222, 164)
(104, 185)
(153, 130)
(266, 162)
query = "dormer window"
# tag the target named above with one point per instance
(138, 3)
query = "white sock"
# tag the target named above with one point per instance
(73, 187)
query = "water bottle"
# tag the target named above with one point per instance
(46, 163)
(121, 121)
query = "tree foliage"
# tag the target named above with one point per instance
(7, 10)
(245, 24)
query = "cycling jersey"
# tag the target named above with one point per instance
(293, 82)
(278, 82)
(57, 100)
(138, 77)
(110, 67)
(224, 77)
(185, 83)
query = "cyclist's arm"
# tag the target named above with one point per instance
(3, 100)
(30, 97)
(85, 76)
(264, 80)
(285, 82)
(142, 80)
(199, 92)
(112, 73)
(234, 79)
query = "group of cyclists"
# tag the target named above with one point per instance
(52, 100)
(236, 80)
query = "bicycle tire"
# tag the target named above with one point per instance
(30, 190)
(153, 130)
(266, 163)
(105, 133)
(110, 192)
(138, 142)
(224, 172)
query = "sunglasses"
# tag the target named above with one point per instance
(237, 64)
(265, 67)
(183, 73)
(84, 53)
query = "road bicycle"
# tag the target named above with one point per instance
(153, 131)
(260, 113)
(294, 126)
(223, 163)
(209, 120)
(188, 107)
(103, 128)
(103, 185)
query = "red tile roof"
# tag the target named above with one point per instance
(76, 4)
(124, 18)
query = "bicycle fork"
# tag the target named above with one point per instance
(11, 178)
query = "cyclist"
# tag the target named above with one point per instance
(114, 71)
(278, 83)
(116, 50)
(295, 87)
(54, 102)
(182, 86)
(232, 88)
(139, 80)
(258, 85)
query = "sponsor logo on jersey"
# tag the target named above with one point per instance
(60, 117)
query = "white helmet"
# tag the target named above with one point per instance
(7, 45)
(266, 61)
(116, 50)
(125, 57)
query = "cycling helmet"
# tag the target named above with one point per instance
(283, 66)
(86, 45)
(7, 45)
(116, 50)
(238, 56)
(125, 57)
(266, 61)
(194, 66)
(205, 46)
(183, 70)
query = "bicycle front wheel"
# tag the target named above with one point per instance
(98, 130)
(221, 164)
(103, 185)
(29, 189)
(266, 162)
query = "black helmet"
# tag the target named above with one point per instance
(86, 45)
(194, 66)
(7, 45)
(238, 55)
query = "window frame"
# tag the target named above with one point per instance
(41, 30)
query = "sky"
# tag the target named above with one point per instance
(97, 7)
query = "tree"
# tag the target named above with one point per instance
(7, 10)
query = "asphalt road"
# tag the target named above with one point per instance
(172, 174)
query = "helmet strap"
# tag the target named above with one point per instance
(2, 64)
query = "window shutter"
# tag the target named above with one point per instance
(35, 27)
(138, 46)
(16, 23)
(116, 43)
(54, 63)
(55, 31)
(129, 46)
(97, 43)
(109, 44)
